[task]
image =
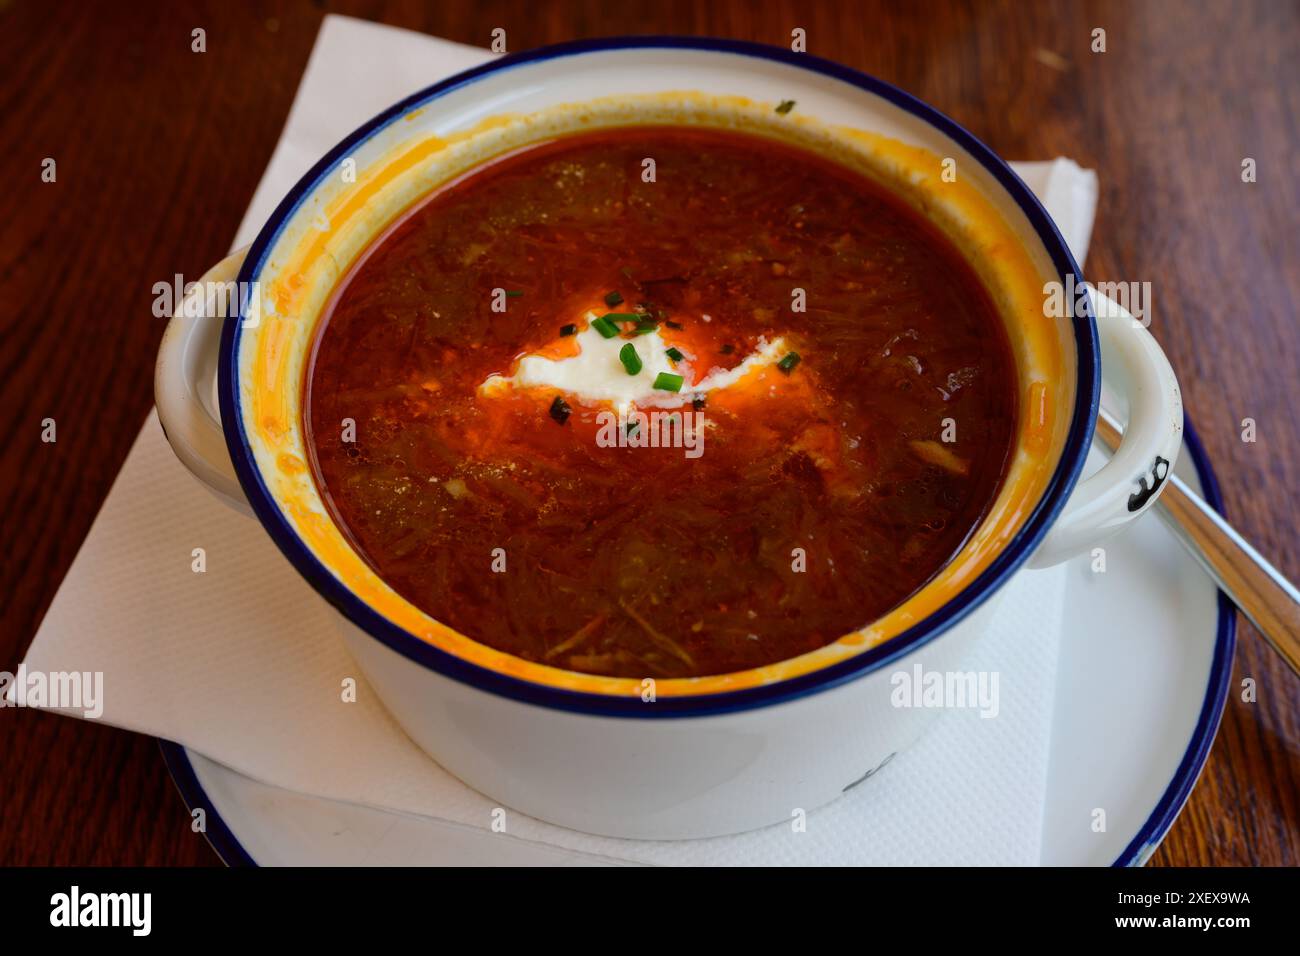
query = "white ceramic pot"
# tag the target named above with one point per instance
(676, 758)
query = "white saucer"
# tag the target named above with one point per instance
(1144, 667)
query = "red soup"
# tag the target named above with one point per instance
(660, 402)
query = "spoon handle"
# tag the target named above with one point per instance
(1269, 600)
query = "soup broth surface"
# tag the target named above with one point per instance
(843, 421)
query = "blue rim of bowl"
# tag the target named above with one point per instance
(1139, 849)
(403, 642)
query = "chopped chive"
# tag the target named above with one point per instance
(697, 401)
(631, 427)
(631, 361)
(788, 363)
(675, 355)
(605, 327)
(613, 298)
(560, 410)
(785, 106)
(645, 325)
(569, 329)
(668, 382)
(514, 293)
(673, 325)
(622, 316)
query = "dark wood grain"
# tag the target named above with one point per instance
(159, 149)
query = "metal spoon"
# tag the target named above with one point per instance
(1269, 600)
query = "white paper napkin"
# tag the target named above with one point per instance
(242, 663)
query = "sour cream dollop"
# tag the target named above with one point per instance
(597, 374)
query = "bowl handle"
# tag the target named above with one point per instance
(1128, 484)
(184, 381)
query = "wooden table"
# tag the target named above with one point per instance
(158, 150)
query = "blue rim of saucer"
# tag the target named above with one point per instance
(227, 846)
(998, 572)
